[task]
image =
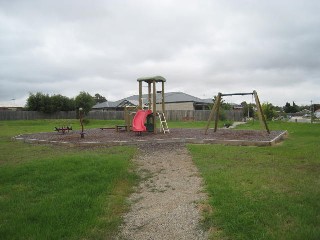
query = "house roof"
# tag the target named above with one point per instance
(170, 97)
(106, 104)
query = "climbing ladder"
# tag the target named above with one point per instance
(163, 123)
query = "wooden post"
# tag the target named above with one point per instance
(163, 107)
(149, 95)
(213, 111)
(154, 107)
(260, 113)
(216, 117)
(140, 94)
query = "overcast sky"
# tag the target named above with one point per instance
(201, 47)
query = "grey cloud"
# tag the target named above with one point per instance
(200, 47)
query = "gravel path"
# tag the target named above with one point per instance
(164, 205)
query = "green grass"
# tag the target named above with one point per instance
(264, 192)
(49, 192)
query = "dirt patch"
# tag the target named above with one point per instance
(166, 204)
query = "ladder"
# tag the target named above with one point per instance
(163, 123)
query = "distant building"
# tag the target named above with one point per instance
(173, 101)
(10, 108)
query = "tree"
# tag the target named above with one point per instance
(62, 103)
(268, 111)
(85, 101)
(291, 109)
(39, 102)
(49, 104)
(99, 99)
(34, 101)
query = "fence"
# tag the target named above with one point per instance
(171, 115)
(200, 115)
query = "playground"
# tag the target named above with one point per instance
(111, 137)
(147, 124)
(170, 198)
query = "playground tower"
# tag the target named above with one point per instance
(152, 95)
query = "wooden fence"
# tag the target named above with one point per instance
(171, 115)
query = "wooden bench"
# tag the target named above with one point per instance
(121, 127)
(106, 128)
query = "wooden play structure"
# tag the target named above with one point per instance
(149, 115)
(129, 112)
(215, 110)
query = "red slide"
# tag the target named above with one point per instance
(139, 120)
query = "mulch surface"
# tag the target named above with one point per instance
(109, 135)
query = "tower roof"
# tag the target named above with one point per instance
(151, 79)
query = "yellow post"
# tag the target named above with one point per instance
(149, 95)
(260, 113)
(140, 94)
(154, 107)
(213, 111)
(163, 108)
(217, 112)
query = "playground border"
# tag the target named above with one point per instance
(272, 142)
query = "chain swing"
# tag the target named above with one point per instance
(216, 107)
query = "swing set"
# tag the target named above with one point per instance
(216, 107)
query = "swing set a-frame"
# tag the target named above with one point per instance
(216, 107)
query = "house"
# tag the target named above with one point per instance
(317, 113)
(115, 106)
(173, 101)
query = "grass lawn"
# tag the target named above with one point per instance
(264, 192)
(50, 192)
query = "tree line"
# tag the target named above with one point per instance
(50, 104)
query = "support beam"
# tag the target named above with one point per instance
(213, 111)
(233, 94)
(260, 113)
(162, 103)
(216, 117)
(154, 107)
(149, 96)
(140, 95)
